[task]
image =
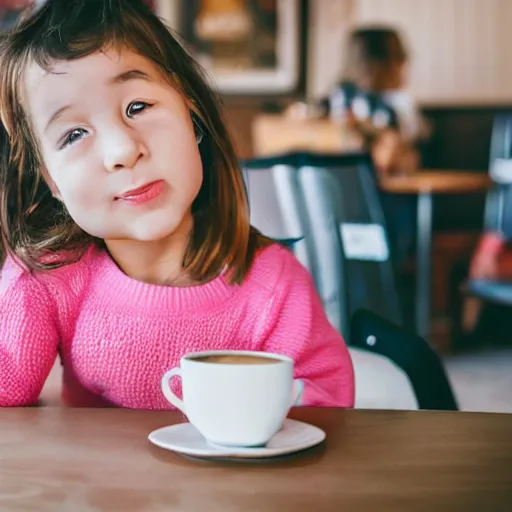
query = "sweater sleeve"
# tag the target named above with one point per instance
(297, 326)
(28, 336)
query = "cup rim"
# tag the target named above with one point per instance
(192, 357)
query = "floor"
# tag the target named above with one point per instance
(482, 380)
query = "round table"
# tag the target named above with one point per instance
(99, 459)
(424, 184)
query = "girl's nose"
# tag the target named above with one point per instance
(123, 149)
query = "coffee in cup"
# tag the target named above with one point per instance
(237, 359)
(234, 398)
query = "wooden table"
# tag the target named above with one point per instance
(436, 182)
(275, 134)
(424, 184)
(56, 459)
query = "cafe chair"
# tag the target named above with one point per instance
(289, 243)
(278, 210)
(349, 238)
(498, 204)
(275, 203)
(328, 201)
(497, 215)
(409, 353)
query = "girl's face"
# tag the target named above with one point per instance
(118, 144)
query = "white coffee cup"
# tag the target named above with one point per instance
(232, 403)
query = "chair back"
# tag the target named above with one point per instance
(346, 225)
(275, 204)
(498, 206)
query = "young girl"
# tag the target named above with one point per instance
(126, 223)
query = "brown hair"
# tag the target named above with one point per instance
(373, 55)
(34, 224)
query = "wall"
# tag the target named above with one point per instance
(459, 48)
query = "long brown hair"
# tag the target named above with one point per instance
(34, 224)
(373, 56)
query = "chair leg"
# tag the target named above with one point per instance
(464, 311)
(470, 314)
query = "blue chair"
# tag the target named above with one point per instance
(498, 207)
(497, 219)
(289, 243)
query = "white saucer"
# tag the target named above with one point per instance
(185, 439)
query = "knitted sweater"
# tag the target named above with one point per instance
(117, 336)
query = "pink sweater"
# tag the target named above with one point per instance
(116, 336)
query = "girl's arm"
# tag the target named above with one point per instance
(298, 327)
(28, 336)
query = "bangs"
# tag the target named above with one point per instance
(94, 27)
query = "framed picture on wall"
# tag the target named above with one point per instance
(246, 46)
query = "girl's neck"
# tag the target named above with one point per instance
(156, 262)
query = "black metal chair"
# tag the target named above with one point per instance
(322, 197)
(277, 191)
(411, 353)
(350, 238)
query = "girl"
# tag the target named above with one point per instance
(126, 223)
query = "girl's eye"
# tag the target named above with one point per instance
(135, 108)
(73, 136)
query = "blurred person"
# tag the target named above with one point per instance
(372, 96)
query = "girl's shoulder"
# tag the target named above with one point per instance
(68, 277)
(275, 265)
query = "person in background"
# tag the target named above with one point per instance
(126, 224)
(372, 96)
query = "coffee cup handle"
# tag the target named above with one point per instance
(298, 389)
(166, 389)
